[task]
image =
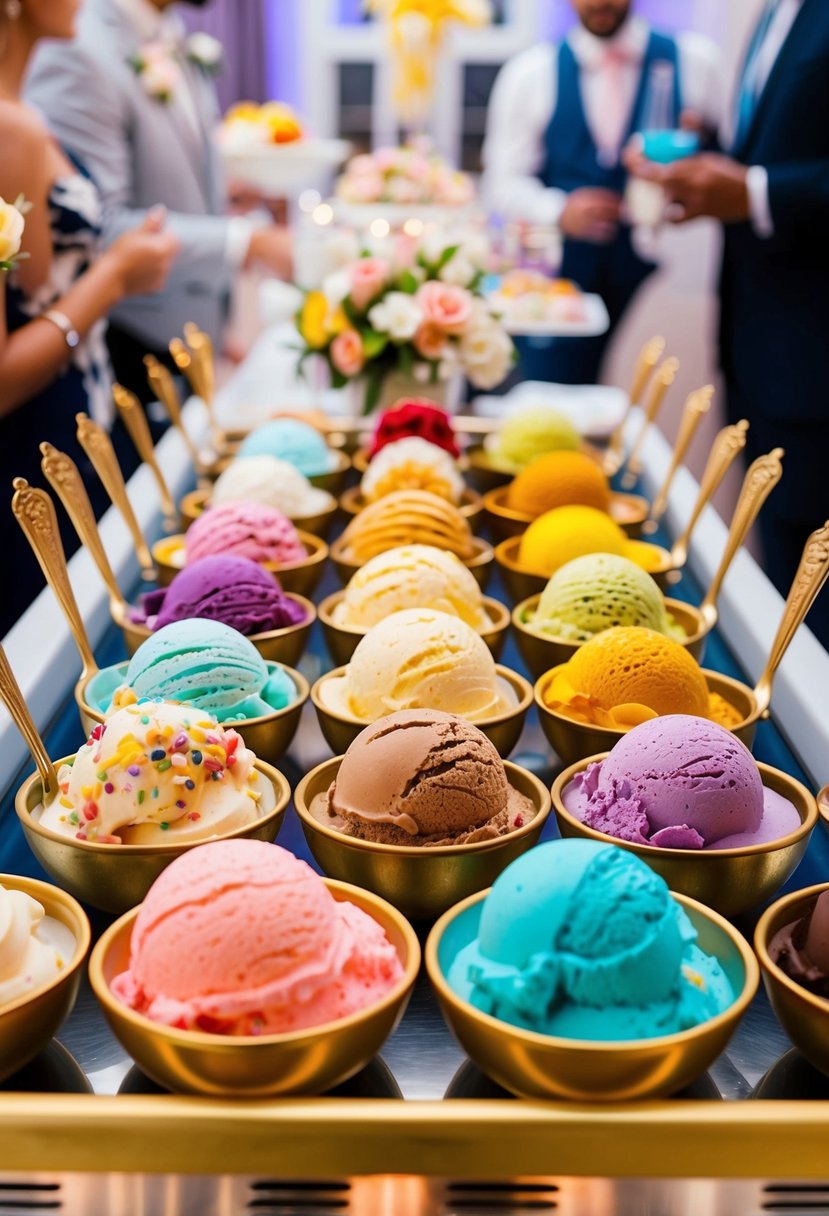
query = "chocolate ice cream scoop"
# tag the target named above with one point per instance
(421, 777)
(802, 948)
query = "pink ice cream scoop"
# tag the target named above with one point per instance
(680, 782)
(244, 529)
(239, 937)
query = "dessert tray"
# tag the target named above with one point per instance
(284, 168)
(519, 322)
(420, 1131)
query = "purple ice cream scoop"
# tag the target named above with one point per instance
(680, 782)
(233, 590)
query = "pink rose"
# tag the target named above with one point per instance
(430, 341)
(445, 306)
(347, 353)
(368, 278)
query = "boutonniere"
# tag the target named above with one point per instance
(12, 223)
(155, 64)
(206, 52)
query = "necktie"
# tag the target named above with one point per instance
(749, 92)
(612, 112)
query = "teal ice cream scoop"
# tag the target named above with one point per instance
(582, 940)
(289, 439)
(204, 664)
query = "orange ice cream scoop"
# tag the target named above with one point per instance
(408, 517)
(626, 676)
(558, 479)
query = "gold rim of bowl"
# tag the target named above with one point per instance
(61, 906)
(278, 781)
(316, 552)
(470, 506)
(802, 795)
(589, 1046)
(823, 804)
(136, 633)
(629, 511)
(498, 614)
(197, 501)
(302, 805)
(482, 558)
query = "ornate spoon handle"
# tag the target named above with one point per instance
(96, 443)
(728, 443)
(23, 720)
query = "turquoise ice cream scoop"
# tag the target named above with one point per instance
(289, 439)
(582, 940)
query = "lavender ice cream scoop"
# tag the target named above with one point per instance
(232, 590)
(680, 782)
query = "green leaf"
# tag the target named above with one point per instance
(408, 283)
(338, 380)
(373, 386)
(446, 257)
(405, 359)
(373, 343)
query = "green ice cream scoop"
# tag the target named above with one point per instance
(596, 592)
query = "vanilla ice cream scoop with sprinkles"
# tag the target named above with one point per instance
(155, 773)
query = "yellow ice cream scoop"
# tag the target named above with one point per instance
(407, 517)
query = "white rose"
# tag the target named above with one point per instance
(486, 354)
(459, 270)
(435, 241)
(205, 49)
(397, 315)
(336, 286)
(161, 77)
(12, 224)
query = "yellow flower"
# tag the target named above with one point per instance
(336, 322)
(12, 224)
(313, 320)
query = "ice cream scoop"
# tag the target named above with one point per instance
(293, 441)
(529, 432)
(627, 675)
(412, 464)
(420, 659)
(242, 938)
(412, 576)
(597, 592)
(561, 535)
(558, 479)
(407, 517)
(155, 773)
(680, 782)
(421, 777)
(209, 667)
(34, 948)
(583, 940)
(232, 590)
(421, 418)
(244, 529)
(275, 483)
(801, 949)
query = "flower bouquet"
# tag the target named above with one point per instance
(415, 312)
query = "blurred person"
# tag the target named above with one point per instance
(135, 99)
(53, 357)
(771, 191)
(558, 119)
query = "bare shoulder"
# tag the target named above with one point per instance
(25, 141)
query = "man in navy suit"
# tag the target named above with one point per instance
(772, 194)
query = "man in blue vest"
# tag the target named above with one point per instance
(772, 194)
(558, 120)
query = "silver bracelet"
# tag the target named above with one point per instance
(70, 335)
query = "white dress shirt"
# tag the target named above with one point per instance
(156, 25)
(757, 181)
(524, 99)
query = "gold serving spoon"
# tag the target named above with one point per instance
(164, 387)
(129, 407)
(96, 443)
(201, 350)
(696, 407)
(810, 577)
(35, 512)
(760, 479)
(727, 445)
(62, 474)
(662, 381)
(649, 356)
(23, 720)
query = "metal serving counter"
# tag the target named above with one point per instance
(420, 1131)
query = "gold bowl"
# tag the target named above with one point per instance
(823, 805)
(803, 1015)
(522, 583)
(268, 736)
(470, 506)
(534, 1065)
(300, 578)
(628, 510)
(342, 640)
(333, 481)
(482, 473)
(31, 1021)
(572, 740)
(117, 877)
(285, 645)
(421, 882)
(318, 524)
(542, 651)
(340, 730)
(731, 881)
(480, 564)
(269, 1065)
